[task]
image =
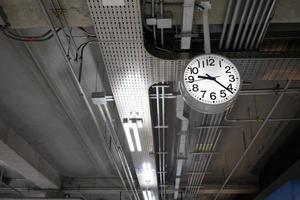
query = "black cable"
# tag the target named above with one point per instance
(84, 30)
(81, 49)
(40, 38)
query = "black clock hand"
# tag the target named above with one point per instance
(208, 77)
(214, 79)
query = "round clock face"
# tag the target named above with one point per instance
(211, 79)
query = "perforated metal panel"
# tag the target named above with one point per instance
(119, 30)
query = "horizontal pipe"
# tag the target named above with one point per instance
(205, 189)
(261, 120)
(241, 93)
(214, 127)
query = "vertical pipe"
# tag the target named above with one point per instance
(207, 47)
(262, 17)
(241, 41)
(233, 24)
(253, 25)
(266, 24)
(237, 37)
(228, 11)
(163, 140)
(162, 15)
(159, 136)
(153, 16)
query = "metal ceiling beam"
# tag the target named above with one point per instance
(18, 155)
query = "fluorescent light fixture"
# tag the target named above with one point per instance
(136, 136)
(145, 195)
(149, 195)
(128, 136)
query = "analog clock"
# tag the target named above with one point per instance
(210, 83)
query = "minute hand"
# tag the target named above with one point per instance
(219, 83)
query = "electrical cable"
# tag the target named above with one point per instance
(84, 30)
(81, 49)
(46, 36)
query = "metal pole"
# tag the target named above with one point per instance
(161, 15)
(262, 17)
(164, 139)
(207, 47)
(159, 139)
(253, 140)
(253, 25)
(237, 37)
(265, 27)
(233, 24)
(225, 24)
(153, 16)
(245, 31)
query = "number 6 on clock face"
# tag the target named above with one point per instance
(210, 79)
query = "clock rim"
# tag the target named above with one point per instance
(202, 106)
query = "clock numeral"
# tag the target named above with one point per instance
(210, 62)
(203, 93)
(191, 79)
(229, 87)
(227, 69)
(194, 70)
(195, 88)
(231, 78)
(220, 63)
(203, 63)
(212, 96)
(222, 93)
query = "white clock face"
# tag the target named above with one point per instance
(211, 79)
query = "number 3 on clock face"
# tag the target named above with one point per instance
(211, 79)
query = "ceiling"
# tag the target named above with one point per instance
(62, 114)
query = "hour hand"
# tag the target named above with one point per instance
(206, 77)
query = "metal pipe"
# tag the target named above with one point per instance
(262, 17)
(233, 24)
(210, 157)
(266, 24)
(253, 140)
(253, 24)
(120, 151)
(119, 172)
(245, 31)
(225, 24)
(237, 37)
(162, 15)
(214, 127)
(163, 141)
(260, 120)
(153, 16)
(194, 164)
(79, 88)
(206, 32)
(159, 135)
(204, 158)
(214, 140)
